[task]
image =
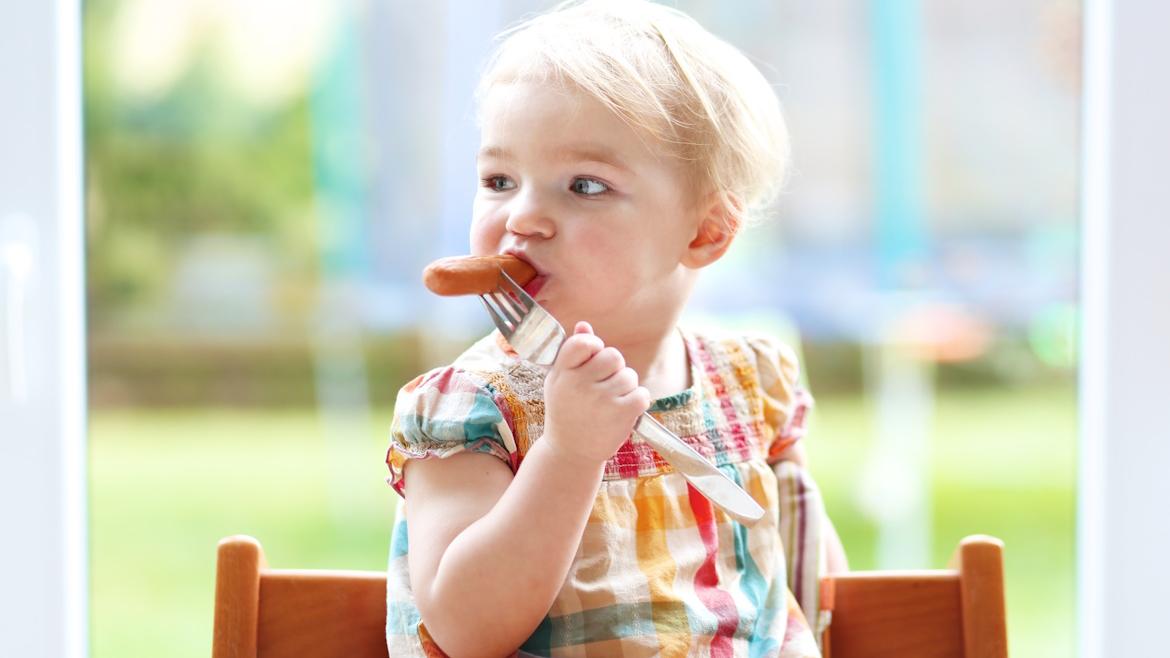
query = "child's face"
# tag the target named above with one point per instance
(572, 189)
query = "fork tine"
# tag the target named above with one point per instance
(508, 305)
(506, 326)
(532, 331)
(515, 289)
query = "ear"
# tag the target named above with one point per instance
(718, 226)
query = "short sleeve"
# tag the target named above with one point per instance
(445, 412)
(786, 402)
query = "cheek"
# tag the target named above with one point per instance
(598, 239)
(481, 243)
(615, 244)
(485, 233)
(612, 262)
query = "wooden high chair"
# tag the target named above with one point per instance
(288, 613)
(281, 613)
(947, 613)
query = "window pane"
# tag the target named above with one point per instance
(267, 180)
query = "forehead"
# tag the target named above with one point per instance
(557, 119)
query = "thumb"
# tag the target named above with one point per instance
(583, 327)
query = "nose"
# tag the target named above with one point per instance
(529, 215)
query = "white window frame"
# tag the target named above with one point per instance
(1124, 461)
(43, 603)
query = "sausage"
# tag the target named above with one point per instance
(473, 275)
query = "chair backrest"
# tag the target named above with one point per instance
(275, 613)
(278, 613)
(952, 613)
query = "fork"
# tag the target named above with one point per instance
(537, 336)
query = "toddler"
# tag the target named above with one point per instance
(622, 149)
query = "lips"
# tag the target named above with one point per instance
(533, 286)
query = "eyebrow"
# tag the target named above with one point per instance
(569, 153)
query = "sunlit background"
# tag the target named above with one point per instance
(266, 180)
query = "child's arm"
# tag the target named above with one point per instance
(835, 560)
(489, 551)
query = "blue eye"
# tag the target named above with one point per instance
(498, 183)
(588, 186)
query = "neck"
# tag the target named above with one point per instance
(659, 358)
(649, 339)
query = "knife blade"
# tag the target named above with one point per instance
(713, 483)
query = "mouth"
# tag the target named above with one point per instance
(537, 282)
(534, 286)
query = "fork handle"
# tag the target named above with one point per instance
(704, 476)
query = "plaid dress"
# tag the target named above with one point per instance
(659, 570)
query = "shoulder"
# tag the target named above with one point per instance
(472, 373)
(452, 399)
(771, 359)
(767, 372)
(446, 406)
(462, 407)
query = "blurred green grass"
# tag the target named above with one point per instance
(167, 485)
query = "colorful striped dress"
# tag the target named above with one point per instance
(659, 570)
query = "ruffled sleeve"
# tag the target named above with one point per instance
(786, 402)
(445, 412)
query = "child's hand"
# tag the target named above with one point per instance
(591, 398)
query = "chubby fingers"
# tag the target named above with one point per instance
(585, 351)
(605, 363)
(580, 347)
(638, 399)
(624, 386)
(621, 381)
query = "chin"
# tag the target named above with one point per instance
(558, 314)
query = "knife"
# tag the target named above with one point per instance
(713, 483)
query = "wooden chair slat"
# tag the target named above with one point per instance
(947, 613)
(307, 614)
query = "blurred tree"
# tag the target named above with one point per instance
(197, 159)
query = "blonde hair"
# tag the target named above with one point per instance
(667, 77)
